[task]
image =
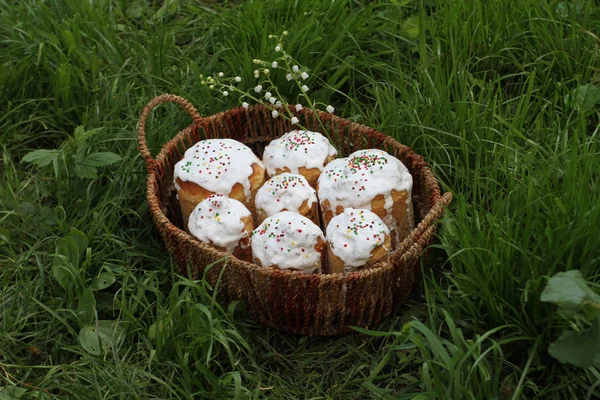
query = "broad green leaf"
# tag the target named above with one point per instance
(42, 157)
(81, 134)
(136, 9)
(4, 236)
(86, 308)
(87, 167)
(413, 27)
(103, 281)
(66, 258)
(11, 392)
(98, 338)
(569, 291)
(169, 6)
(583, 98)
(100, 159)
(80, 239)
(85, 171)
(562, 10)
(581, 349)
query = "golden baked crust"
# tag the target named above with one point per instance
(190, 194)
(370, 179)
(311, 174)
(335, 265)
(311, 213)
(319, 248)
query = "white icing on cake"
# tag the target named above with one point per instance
(218, 220)
(285, 191)
(217, 165)
(298, 149)
(354, 234)
(356, 180)
(288, 240)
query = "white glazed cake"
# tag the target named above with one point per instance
(369, 179)
(287, 240)
(223, 223)
(356, 239)
(299, 152)
(217, 166)
(287, 192)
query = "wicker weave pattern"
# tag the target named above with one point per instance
(291, 301)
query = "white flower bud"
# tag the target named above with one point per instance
(211, 87)
(245, 105)
(295, 120)
(272, 100)
(238, 79)
(268, 95)
(278, 104)
(256, 61)
(275, 113)
(258, 88)
(225, 93)
(285, 33)
(221, 74)
(298, 107)
(304, 75)
(295, 68)
(330, 109)
(274, 64)
(289, 77)
(305, 88)
(277, 48)
(266, 71)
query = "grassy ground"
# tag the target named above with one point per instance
(493, 94)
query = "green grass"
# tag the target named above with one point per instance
(482, 93)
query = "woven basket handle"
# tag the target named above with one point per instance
(163, 98)
(436, 212)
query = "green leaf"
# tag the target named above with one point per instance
(581, 349)
(80, 240)
(412, 26)
(101, 159)
(85, 171)
(11, 393)
(136, 9)
(569, 291)
(81, 134)
(66, 258)
(103, 281)
(583, 98)
(85, 312)
(87, 167)
(4, 236)
(169, 6)
(98, 338)
(42, 157)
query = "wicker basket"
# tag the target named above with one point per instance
(291, 301)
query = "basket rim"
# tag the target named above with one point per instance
(407, 249)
